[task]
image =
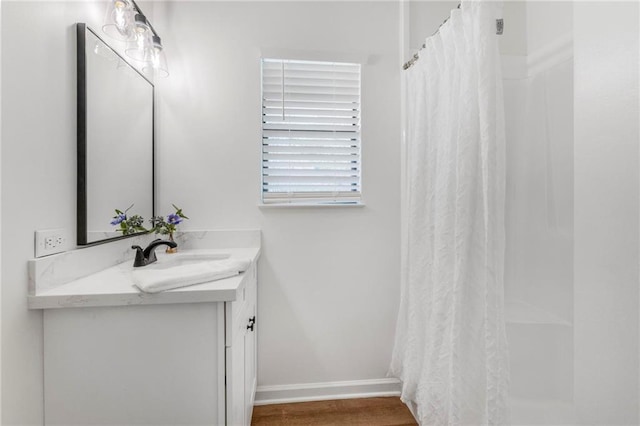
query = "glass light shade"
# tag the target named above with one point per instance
(156, 61)
(140, 46)
(118, 21)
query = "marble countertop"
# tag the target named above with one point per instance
(113, 287)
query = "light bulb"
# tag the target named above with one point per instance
(119, 13)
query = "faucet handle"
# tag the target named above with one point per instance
(139, 260)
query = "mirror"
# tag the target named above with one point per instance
(115, 139)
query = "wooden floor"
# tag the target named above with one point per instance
(366, 411)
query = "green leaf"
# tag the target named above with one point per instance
(179, 212)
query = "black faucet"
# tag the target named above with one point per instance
(148, 255)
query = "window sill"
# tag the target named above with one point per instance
(310, 205)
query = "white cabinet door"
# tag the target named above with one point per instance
(250, 345)
(235, 380)
(241, 354)
(250, 378)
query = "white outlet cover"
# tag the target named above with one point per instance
(58, 241)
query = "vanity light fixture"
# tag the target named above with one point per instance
(125, 21)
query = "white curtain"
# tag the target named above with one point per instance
(450, 350)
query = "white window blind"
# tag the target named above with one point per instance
(310, 132)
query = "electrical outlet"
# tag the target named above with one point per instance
(50, 241)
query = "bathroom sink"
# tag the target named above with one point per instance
(182, 259)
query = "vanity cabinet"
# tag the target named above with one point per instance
(162, 364)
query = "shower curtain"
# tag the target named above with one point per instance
(450, 350)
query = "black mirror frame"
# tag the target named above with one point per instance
(81, 210)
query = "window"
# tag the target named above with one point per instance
(310, 132)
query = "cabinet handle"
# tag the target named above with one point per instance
(252, 322)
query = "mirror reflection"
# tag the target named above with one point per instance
(116, 156)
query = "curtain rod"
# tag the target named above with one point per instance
(410, 62)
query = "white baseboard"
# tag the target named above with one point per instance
(304, 392)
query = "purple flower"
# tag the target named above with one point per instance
(119, 218)
(173, 219)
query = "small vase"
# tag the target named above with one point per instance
(171, 249)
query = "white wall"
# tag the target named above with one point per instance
(514, 38)
(425, 16)
(38, 174)
(546, 21)
(329, 277)
(606, 212)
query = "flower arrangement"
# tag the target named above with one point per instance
(128, 225)
(160, 225)
(168, 225)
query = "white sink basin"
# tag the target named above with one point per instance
(182, 259)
